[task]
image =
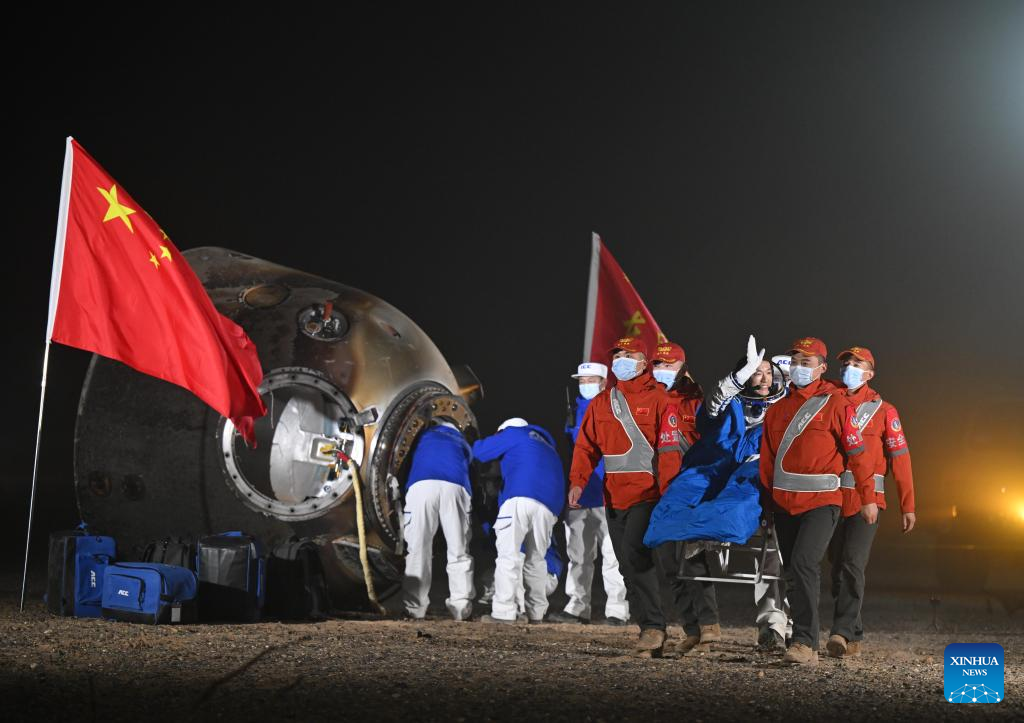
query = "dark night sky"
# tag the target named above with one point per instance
(853, 172)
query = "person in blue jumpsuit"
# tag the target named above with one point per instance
(438, 494)
(531, 499)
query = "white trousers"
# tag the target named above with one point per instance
(772, 605)
(522, 523)
(549, 587)
(586, 532)
(430, 503)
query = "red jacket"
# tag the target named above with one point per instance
(828, 445)
(602, 434)
(885, 445)
(687, 419)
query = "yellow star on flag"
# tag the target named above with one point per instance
(165, 253)
(633, 323)
(116, 210)
(152, 260)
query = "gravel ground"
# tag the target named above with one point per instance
(68, 669)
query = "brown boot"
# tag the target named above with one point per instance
(837, 646)
(800, 654)
(853, 648)
(682, 647)
(711, 633)
(651, 643)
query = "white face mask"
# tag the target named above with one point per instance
(625, 368)
(802, 376)
(666, 377)
(853, 376)
(590, 390)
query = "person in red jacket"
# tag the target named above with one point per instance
(807, 444)
(670, 370)
(633, 426)
(885, 446)
(695, 601)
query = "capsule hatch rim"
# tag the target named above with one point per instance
(340, 489)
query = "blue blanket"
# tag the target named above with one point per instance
(716, 496)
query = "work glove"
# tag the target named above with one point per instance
(754, 359)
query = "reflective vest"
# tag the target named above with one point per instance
(864, 414)
(640, 455)
(792, 481)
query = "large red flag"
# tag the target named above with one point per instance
(614, 309)
(121, 289)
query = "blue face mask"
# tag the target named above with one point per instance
(853, 376)
(589, 390)
(666, 377)
(802, 376)
(625, 368)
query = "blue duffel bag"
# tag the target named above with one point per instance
(149, 592)
(77, 562)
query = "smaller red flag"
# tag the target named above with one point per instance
(121, 289)
(614, 308)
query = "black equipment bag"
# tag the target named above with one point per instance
(296, 586)
(178, 551)
(230, 568)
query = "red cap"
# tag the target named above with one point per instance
(858, 352)
(632, 344)
(669, 353)
(809, 345)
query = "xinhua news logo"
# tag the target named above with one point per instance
(974, 673)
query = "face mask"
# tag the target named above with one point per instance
(666, 377)
(802, 376)
(853, 376)
(589, 390)
(625, 368)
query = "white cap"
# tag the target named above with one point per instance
(514, 422)
(591, 369)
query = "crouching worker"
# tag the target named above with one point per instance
(438, 494)
(716, 495)
(529, 504)
(634, 427)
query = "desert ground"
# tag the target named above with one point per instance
(357, 667)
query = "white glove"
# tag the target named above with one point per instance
(754, 359)
(783, 361)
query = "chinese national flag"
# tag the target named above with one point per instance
(121, 289)
(614, 309)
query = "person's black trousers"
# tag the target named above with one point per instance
(804, 540)
(695, 601)
(848, 554)
(636, 562)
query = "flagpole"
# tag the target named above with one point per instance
(35, 472)
(55, 276)
(595, 265)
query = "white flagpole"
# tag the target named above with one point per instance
(58, 268)
(35, 471)
(595, 265)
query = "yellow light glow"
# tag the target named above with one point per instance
(1020, 512)
(954, 512)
